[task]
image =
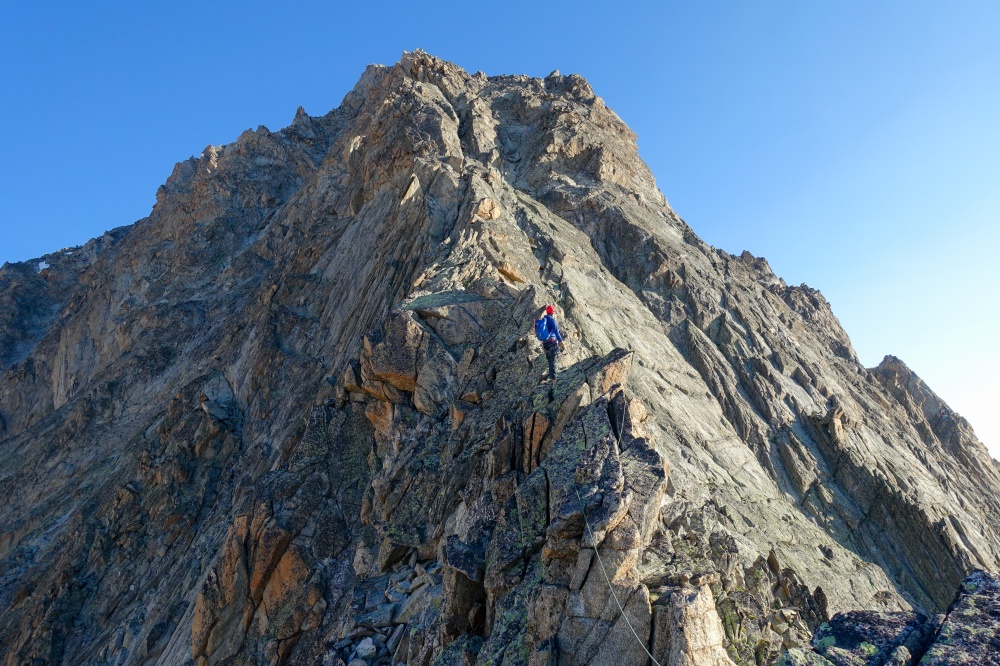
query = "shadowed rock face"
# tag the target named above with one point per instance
(968, 634)
(293, 416)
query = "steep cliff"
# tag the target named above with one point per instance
(294, 415)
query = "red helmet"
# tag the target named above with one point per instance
(549, 309)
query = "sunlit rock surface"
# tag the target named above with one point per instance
(294, 415)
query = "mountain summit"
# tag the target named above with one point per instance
(294, 416)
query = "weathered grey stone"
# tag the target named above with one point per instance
(688, 631)
(802, 657)
(418, 603)
(366, 648)
(970, 633)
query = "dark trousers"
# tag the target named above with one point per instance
(551, 349)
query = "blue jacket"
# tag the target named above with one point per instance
(552, 328)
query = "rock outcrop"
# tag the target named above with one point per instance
(968, 634)
(294, 415)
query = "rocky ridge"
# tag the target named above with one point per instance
(293, 416)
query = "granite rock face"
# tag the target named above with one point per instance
(294, 415)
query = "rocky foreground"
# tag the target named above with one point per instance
(294, 416)
(968, 634)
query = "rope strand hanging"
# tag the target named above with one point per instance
(611, 589)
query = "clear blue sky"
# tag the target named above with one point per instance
(855, 145)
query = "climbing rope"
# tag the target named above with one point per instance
(611, 589)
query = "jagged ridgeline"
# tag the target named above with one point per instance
(294, 416)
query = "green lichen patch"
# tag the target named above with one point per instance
(971, 631)
(868, 637)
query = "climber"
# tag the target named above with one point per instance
(547, 332)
